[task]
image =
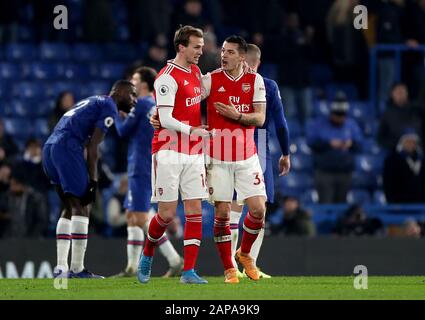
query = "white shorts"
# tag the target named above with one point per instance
(246, 177)
(173, 172)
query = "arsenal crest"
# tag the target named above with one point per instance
(246, 87)
(211, 190)
(160, 191)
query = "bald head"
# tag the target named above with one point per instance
(253, 56)
(124, 94)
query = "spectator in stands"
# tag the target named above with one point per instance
(64, 102)
(22, 209)
(296, 220)
(147, 17)
(157, 56)
(191, 14)
(348, 44)
(355, 222)
(334, 142)
(389, 16)
(399, 115)
(5, 172)
(8, 147)
(210, 59)
(404, 171)
(31, 164)
(295, 55)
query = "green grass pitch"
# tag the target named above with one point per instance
(277, 288)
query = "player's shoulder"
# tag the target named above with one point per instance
(270, 83)
(106, 103)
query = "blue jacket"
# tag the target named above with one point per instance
(321, 131)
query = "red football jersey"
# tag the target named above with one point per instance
(233, 141)
(180, 88)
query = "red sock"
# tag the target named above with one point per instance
(222, 238)
(251, 228)
(156, 230)
(192, 240)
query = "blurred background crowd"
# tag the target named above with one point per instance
(353, 156)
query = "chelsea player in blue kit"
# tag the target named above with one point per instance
(74, 178)
(274, 112)
(138, 199)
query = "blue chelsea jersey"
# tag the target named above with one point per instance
(80, 122)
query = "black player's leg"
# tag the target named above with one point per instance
(66, 206)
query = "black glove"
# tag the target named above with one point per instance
(90, 195)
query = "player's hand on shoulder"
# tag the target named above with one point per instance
(284, 165)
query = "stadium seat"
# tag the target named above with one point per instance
(20, 51)
(54, 51)
(320, 108)
(379, 197)
(41, 128)
(361, 110)
(369, 127)
(25, 33)
(371, 146)
(53, 89)
(310, 196)
(86, 52)
(44, 108)
(358, 196)
(42, 71)
(295, 182)
(94, 88)
(301, 162)
(4, 90)
(120, 52)
(295, 129)
(19, 128)
(76, 72)
(111, 71)
(9, 71)
(369, 163)
(299, 145)
(28, 89)
(17, 108)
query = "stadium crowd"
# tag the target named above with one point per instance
(309, 47)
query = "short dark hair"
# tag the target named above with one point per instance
(120, 84)
(147, 75)
(242, 45)
(32, 141)
(182, 35)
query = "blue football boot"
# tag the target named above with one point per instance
(85, 274)
(144, 269)
(191, 277)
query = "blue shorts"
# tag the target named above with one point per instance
(66, 167)
(138, 198)
(268, 181)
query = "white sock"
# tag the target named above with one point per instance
(63, 242)
(79, 230)
(168, 251)
(255, 249)
(135, 241)
(234, 231)
(256, 246)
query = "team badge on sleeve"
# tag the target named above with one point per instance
(109, 121)
(163, 90)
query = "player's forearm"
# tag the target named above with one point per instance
(252, 119)
(283, 138)
(170, 123)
